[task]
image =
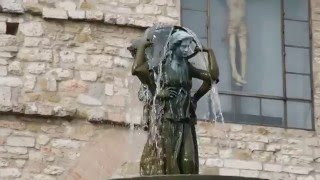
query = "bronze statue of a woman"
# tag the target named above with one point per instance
(172, 145)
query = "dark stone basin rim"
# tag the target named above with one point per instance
(189, 177)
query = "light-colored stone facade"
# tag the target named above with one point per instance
(68, 60)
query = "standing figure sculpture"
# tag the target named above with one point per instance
(171, 147)
(237, 29)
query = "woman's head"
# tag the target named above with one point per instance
(179, 43)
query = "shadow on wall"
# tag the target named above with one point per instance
(107, 154)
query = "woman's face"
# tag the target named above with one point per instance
(183, 49)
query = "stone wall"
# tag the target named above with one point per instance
(80, 68)
(53, 149)
(60, 68)
(68, 59)
(54, 66)
(140, 13)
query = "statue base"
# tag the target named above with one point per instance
(189, 177)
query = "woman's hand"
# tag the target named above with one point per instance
(167, 93)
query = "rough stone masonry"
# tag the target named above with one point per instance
(68, 58)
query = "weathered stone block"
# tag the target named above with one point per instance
(65, 143)
(8, 40)
(43, 139)
(20, 163)
(214, 162)
(6, 55)
(3, 71)
(34, 8)
(3, 163)
(96, 115)
(5, 132)
(20, 141)
(66, 5)
(173, 12)
(116, 101)
(9, 49)
(273, 147)
(12, 124)
(60, 73)
(44, 109)
(16, 150)
(122, 62)
(3, 61)
(123, 10)
(3, 27)
(31, 41)
(229, 172)
(298, 169)
(148, 9)
(24, 133)
(29, 82)
(5, 99)
(306, 178)
(207, 151)
(64, 111)
(88, 75)
(167, 20)
(204, 140)
(74, 86)
(32, 29)
(67, 56)
(54, 13)
(12, 6)
(10, 173)
(88, 100)
(108, 90)
(256, 146)
(51, 83)
(125, 53)
(76, 14)
(15, 68)
(111, 50)
(131, 2)
(94, 15)
(110, 18)
(241, 164)
(34, 54)
(123, 19)
(101, 60)
(272, 167)
(43, 177)
(118, 42)
(36, 68)
(292, 150)
(144, 22)
(249, 173)
(121, 91)
(53, 170)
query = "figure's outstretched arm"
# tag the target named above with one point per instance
(205, 77)
(140, 66)
(213, 66)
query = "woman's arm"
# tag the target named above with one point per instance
(213, 66)
(205, 77)
(140, 66)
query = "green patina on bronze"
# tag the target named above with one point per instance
(173, 149)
